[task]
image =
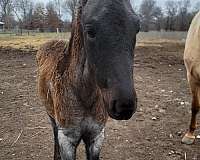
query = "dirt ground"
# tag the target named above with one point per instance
(154, 133)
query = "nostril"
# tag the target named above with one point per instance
(119, 107)
(122, 109)
(127, 105)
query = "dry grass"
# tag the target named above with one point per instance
(27, 42)
(157, 39)
(154, 35)
(33, 41)
(158, 42)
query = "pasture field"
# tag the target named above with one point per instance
(153, 35)
(154, 133)
(29, 42)
(34, 40)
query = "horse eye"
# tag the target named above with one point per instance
(91, 33)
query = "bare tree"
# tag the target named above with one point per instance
(6, 12)
(171, 11)
(158, 18)
(52, 18)
(197, 6)
(134, 6)
(39, 17)
(58, 4)
(183, 22)
(23, 10)
(149, 13)
(70, 7)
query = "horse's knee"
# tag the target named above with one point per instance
(99, 141)
(93, 146)
(195, 109)
(68, 143)
(195, 98)
(195, 104)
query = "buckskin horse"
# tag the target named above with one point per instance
(92, 77)
(192, 63)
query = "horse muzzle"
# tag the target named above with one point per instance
(122, 109)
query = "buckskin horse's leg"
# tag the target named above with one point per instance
(68, 142)
(93, 146)
(189, 137)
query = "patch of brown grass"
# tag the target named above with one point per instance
(30, 42)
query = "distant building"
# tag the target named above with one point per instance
(2, 26)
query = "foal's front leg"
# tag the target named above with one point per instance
(56, 144)
(68, 142)
(93, 146)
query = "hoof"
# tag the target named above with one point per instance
(188, 139)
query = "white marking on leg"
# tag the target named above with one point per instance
(66, 145)
(98, 141)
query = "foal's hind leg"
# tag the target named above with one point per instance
(93, 146)
(190, 137)
(56, 144)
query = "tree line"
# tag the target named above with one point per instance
(25, 14)
(173, 16)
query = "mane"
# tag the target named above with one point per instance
(76, 40)
(86, 90)
(73, 57)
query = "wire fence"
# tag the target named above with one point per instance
(155, 35)
(17, 32)
(152, 35)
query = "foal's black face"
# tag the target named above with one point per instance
(109, 31)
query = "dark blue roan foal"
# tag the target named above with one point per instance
(91, 78)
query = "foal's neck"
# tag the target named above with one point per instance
(80, 73)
